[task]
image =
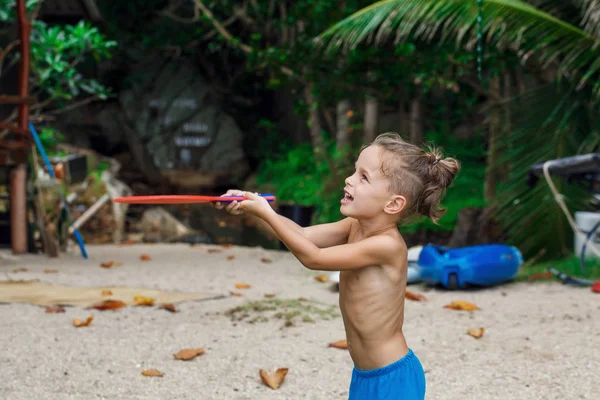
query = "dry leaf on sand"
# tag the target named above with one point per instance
(152, 372)
(20, 269)
(188, 354)
(476, 332)
(415, 296)
(107, 305)
(54, 310)
(322, 278)
(238, 294)
(108, 264)
(145, 257)
(266, 260)
(213, 251)
(273, 380)
(168, 307)
(139, 300)
(107, 292)
(461, 305)
(340, 344)
(79, 323)
(231, 258)
(242, 286)
(269, 295)
(227, 245)
(302, 298)
(50, 271)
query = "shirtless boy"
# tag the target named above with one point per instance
(393, 180)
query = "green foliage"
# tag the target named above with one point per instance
(57, 50)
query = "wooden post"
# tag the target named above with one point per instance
(18, 178)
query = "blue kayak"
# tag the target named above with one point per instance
(481, 265)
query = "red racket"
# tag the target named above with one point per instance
(183, 199)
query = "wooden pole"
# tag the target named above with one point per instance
(18, 177)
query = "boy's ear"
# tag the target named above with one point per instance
(395, 205)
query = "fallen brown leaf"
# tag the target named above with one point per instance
(107, 292)
(322, 278)
(231, 257)
(543, 275)
(107, 305)
(50, 271)
(242, 286)
(340, 344)
(461, 305)
(476, 332)
(266, 260)
(238, 294)
(79, 323)
(143, 301)
(168, 307)
(145, 257)
(188, 354)
(107, 264)
(227, 246)
(152, 372)
(302, 299)
(55, 310)
(415, 296)
(269, 295)
(213, 251)
(273, 380)
(20, 269)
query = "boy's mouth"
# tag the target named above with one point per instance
(347, 198)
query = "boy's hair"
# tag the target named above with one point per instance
(420, 175)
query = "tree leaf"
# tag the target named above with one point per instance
(266, 260)
(107, 305)
(188, 354)
(269, 295)
(322, 278)
(152, 372)
(55, 310)
(274, 380)
(168, 307)
(50, 271)
(79, 323)
(231, 257)
(340, 344)
(242, 286)
(461, 305)
(238, 294)
(145, 257)
(140, 300)
(415, 296)
(476, 332)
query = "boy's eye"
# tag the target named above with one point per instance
(365, 177)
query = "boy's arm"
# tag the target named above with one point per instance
(322, 235)
(370, 251)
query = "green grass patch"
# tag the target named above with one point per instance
(290, 311)
(569, 266)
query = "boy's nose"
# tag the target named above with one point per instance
(347, 181)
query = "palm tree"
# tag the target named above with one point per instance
(553, 120)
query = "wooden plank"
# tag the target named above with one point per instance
(14, 128)
(13, 145)
(17, 100)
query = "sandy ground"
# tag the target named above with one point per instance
(541, 341)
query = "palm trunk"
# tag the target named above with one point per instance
(416, 120)
(314, 123)
(371, 118)
(491, 175)
(343, 123)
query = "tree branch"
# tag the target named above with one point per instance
(242, 46)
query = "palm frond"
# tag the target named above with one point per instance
(590, 13)
(553, 127)
(523, 27)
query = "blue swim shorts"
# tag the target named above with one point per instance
(402, 380)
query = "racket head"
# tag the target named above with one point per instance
(184, 199)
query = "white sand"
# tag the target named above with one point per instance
(541, 341)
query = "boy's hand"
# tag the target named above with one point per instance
(255, 205)
(233, 207)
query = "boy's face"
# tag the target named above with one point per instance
(367, 191)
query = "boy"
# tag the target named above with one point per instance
(393, 180)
